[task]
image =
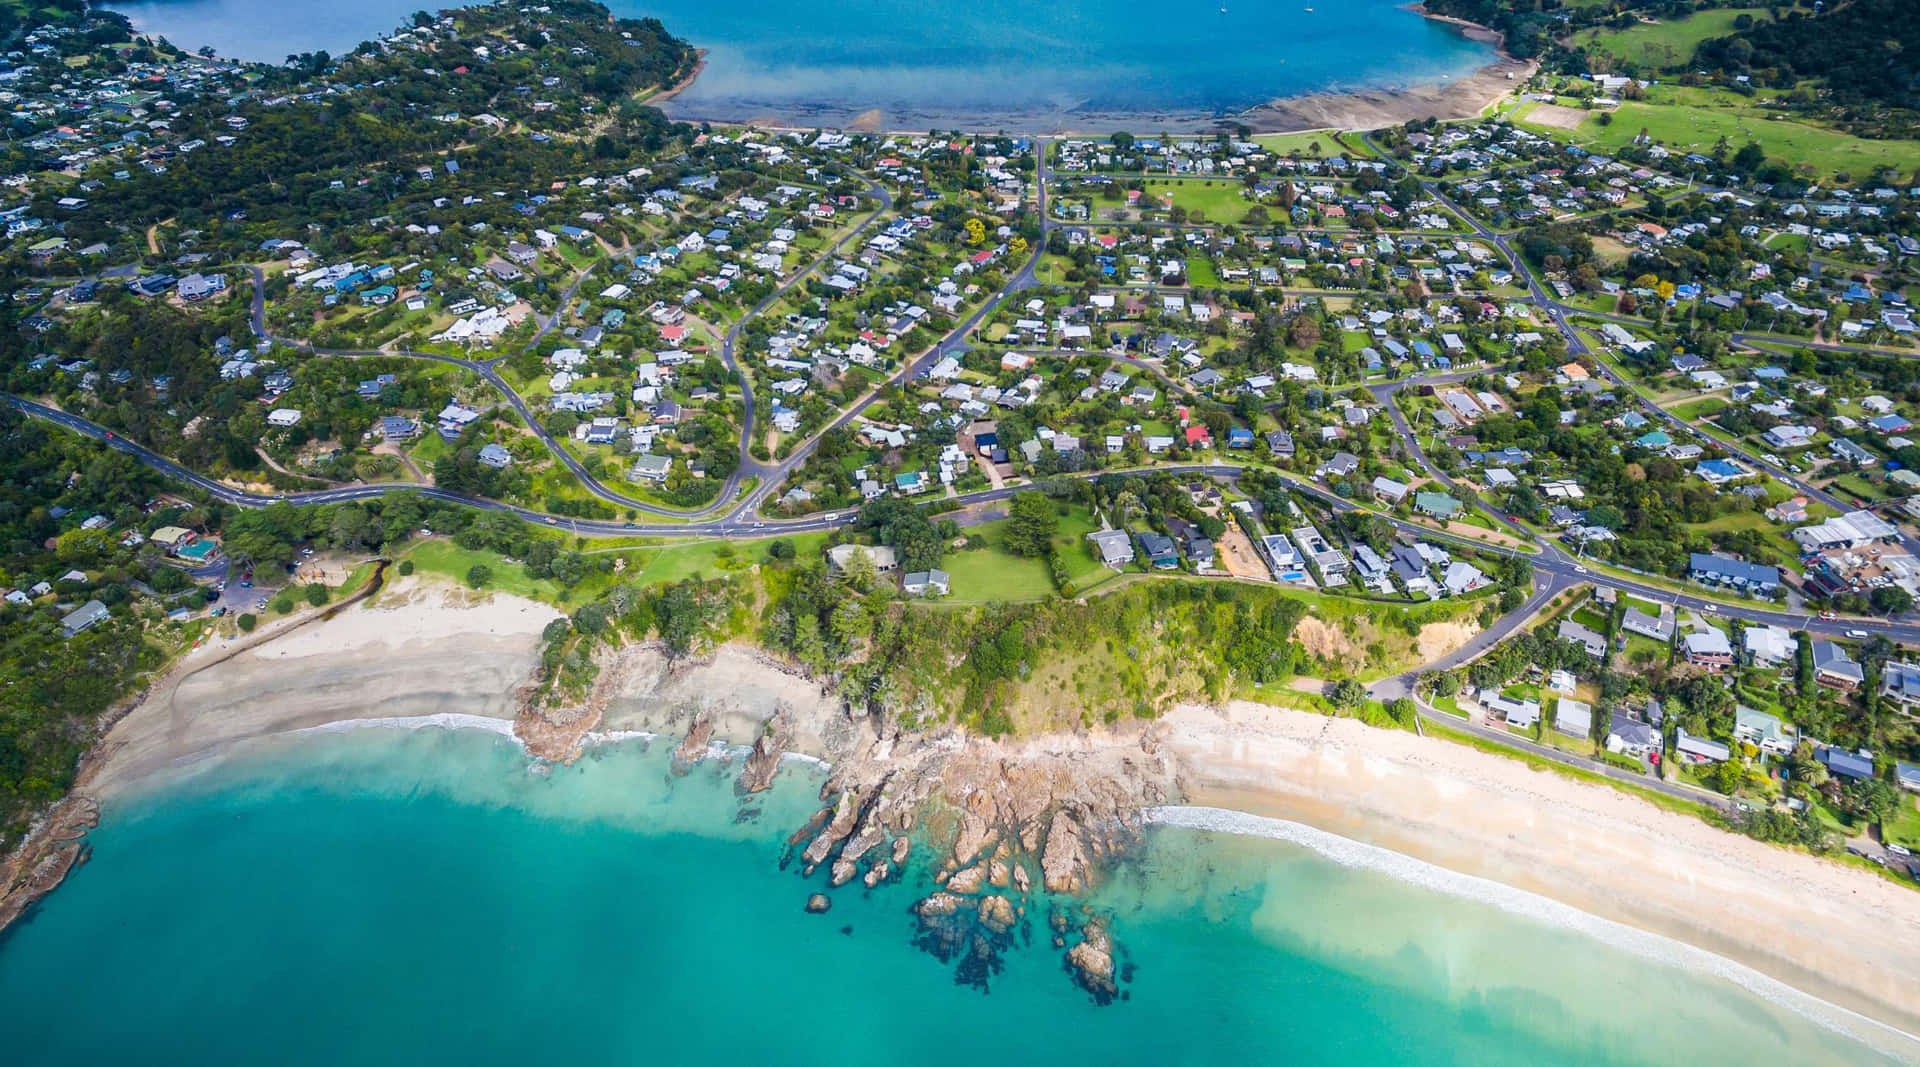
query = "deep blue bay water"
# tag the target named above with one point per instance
(386, 896)
(1037, 64)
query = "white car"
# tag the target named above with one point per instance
(1857, 635)
(1900, 850)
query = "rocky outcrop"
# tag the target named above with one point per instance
(938, 906)
(764, 761)
(968, 881)
(818, 903)
(1063, 863)
(997, 914)
(694, 746)
(846, 811)
(1091, 962)
(878, 874)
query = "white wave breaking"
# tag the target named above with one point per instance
(1633, 940)
(445, 720)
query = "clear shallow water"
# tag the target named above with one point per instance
(386, 896)
(1023, 63)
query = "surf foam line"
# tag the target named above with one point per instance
(1649, 946)
(451, 720)
(445, 720)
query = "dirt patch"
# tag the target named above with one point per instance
(1443, 638)
(868, 121)
(1319, 639)
(1238, 556)
(1560, 118)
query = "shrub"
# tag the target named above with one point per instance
(316, 594)
(479, 575)
(406, 567)
(247, 623)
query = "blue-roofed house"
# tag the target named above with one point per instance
(1732, 573)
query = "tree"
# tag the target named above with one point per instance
(479, 575)
(1891, 600)
(781, 549)
(1031, 522)
(1347, 693)
(316, 594)
(247, 623)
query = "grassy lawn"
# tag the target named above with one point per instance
(448, 560)
(1221, 201)
(711, 559)
(1904, 827)
(1299, 144)
(1704, 408)
(1667, 44)
(992, 573)
(1698, 121)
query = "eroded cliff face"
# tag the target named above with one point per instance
(1010, 832)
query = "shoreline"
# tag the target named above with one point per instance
(427, 656)
(1356, 110)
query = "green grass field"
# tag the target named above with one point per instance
(1300, 144)
(1688, 120)
(1222, 201)
(1668, 44)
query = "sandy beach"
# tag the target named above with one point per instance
(1840, 934)
(422, 650)
(415, 649)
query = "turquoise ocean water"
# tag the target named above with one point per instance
(418, 897)
(1026, 64)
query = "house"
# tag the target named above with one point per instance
(1573, 717)
(1114, 546)
(882, 557)
(1439, 505)
(1635, 621)
(283, 417)
(1900, 683)
(1158, 549)
(1768, 646)
(1834, 668)
(1708, 648)
(495, 456)
(651, 468)
(1520, 714)
(1843, 764)
(1340, 466)
(1461, 577)
(1631, 737)
(1733, 573)
(926, 583)
(85, 616)
(1389, 490)
(1591, 640)
(1700, 749)
(1761, 730)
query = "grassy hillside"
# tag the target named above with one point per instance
(1693, 120)
(1665, 44)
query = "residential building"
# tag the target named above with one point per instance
(1835, 668)
(1587, 638)
(926, 583)
(1573, 717)
(1708, 648)
(1114, 546)
(1733, 573)
(882, 557)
